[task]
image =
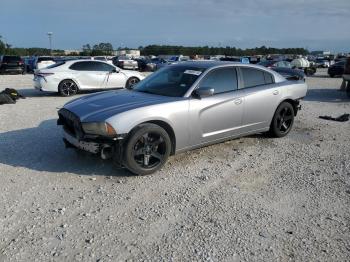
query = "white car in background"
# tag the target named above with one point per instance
(43, 62)
(68, 77)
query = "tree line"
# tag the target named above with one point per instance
(228, 50)
(107, 49)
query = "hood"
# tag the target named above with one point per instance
(99, 107)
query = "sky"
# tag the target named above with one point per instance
(312, 24)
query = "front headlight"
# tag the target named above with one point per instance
(99, 128)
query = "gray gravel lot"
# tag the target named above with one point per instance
(249, 199)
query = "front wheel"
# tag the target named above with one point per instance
(147, 149)
(131, 82)
(67, 88)
(283, 120)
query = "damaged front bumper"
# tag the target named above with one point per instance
(71, 141)
(75, 137)
(107, 148)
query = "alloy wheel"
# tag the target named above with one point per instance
(149, 150)
(285, 119)
(69, 88)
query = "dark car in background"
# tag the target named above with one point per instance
(290, 73)
(155, 63)
(284, 68)
(337, 69)
(274, 63)
(11, 64)
(141, 64)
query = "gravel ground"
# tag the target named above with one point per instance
(249, 199)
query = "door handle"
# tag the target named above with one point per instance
(276, 92)
(238, 101)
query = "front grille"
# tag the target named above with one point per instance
(71, 123)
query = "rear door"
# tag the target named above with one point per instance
(261, 97)
(220, 115)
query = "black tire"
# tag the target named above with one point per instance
(282, 121)
(131, 82)
(147, 149)
(67, 88)
(332, 75)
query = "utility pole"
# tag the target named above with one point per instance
(50, 41)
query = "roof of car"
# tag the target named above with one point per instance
(205, 63)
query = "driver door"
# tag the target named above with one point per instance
(218, 116)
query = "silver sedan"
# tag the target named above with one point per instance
(179, 108)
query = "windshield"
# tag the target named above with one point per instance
(170, 81)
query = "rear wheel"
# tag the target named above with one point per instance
(131, 82)
(147, 149)
(67, 88)
(283, 120)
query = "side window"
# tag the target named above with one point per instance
(222, 80)
(104, 67)
(91, 66)
(268, 78)
(79, 66)
(255, 77)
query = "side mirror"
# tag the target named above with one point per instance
(114, 70)
(204, 92)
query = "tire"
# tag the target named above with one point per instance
(332, 75)
(282, 121)
(67, 88)
(147, 149)
(131, 82)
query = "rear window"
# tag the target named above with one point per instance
(255, 77)
(41, 59)
(11, 59)
(56, 65)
